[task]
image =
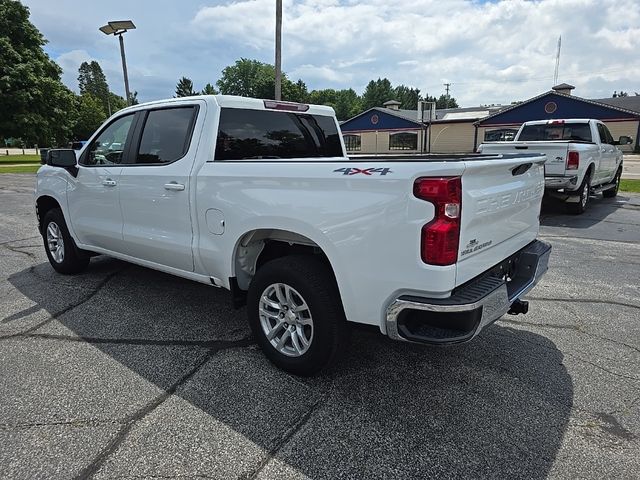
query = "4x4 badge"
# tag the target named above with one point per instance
(363, 171)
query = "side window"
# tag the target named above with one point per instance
(107, 148)
(608, 133)
(256, 134)
(353, 143)
(403, 141)
(602, 131)
(166, 135)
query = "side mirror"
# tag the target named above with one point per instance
(625, 140)
(61, 157)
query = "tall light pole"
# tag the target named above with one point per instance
(278, 92)
(118, 28)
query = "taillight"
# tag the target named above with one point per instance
(573, 160)
(440, 237)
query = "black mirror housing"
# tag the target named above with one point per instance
(61, 157)
(625, 140)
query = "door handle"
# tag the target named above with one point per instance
(174, 186)
(109, 183)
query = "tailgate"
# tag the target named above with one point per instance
(556, 152)
(500, 211)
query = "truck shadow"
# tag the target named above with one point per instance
(497, 407)
(554, 213)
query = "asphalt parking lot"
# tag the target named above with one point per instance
(123, 372)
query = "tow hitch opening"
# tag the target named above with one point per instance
(518, 307)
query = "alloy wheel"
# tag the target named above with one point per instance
(286, 319)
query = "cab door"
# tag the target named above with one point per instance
(155, 187)
(608, 154)
(93, 195)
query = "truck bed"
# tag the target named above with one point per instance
(439, 157)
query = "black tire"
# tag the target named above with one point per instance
(580, 206)
(312, 282)
(68, 259)
(613, 191)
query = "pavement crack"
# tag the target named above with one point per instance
(586, 300)
(600, 367)
(69, 423)
(545, 325)
(16, 249)
(574, 328)
(19, 240)
(213, 344)
(68, 308)
(131, 420)
(284, 439)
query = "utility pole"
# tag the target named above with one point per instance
(124, 70)
(555, 72)
(278, 92)
(446, 86)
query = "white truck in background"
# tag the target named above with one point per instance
(582, 157)
(259, 197)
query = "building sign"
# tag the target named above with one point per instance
(550, 107)
(374, 119)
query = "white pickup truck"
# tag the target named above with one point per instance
(258, 197)
(582, 157)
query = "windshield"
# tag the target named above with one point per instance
(579, 132)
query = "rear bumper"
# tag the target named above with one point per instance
(556, 182)
(471, 307)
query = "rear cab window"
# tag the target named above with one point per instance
(575, 132)
(166, 135)
(245, 134)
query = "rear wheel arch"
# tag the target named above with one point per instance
(257, 247)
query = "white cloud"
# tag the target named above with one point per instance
(491, 52)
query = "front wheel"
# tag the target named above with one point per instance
(296, 315)
(613, 191)
(61, 250)
(581, 205)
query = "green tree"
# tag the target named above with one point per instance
(246, 78)
(376, 93)
(90, 115)
(446, 102)
(407, 96)
(327, 96)
(34, 104)
(92, 80)
(209, 90)
(346, 103)
(185, 88)
(251, 78)
(133, 98)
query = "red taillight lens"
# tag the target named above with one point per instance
(573, 160)
(441, 236)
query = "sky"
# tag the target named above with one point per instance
(491, 52)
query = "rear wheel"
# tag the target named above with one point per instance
(585, 190)
(296, 315)
(613, 191)
(61, 250)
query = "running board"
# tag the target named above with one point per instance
(602, 188)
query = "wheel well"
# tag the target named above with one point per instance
(261, 246)
(43, 205)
